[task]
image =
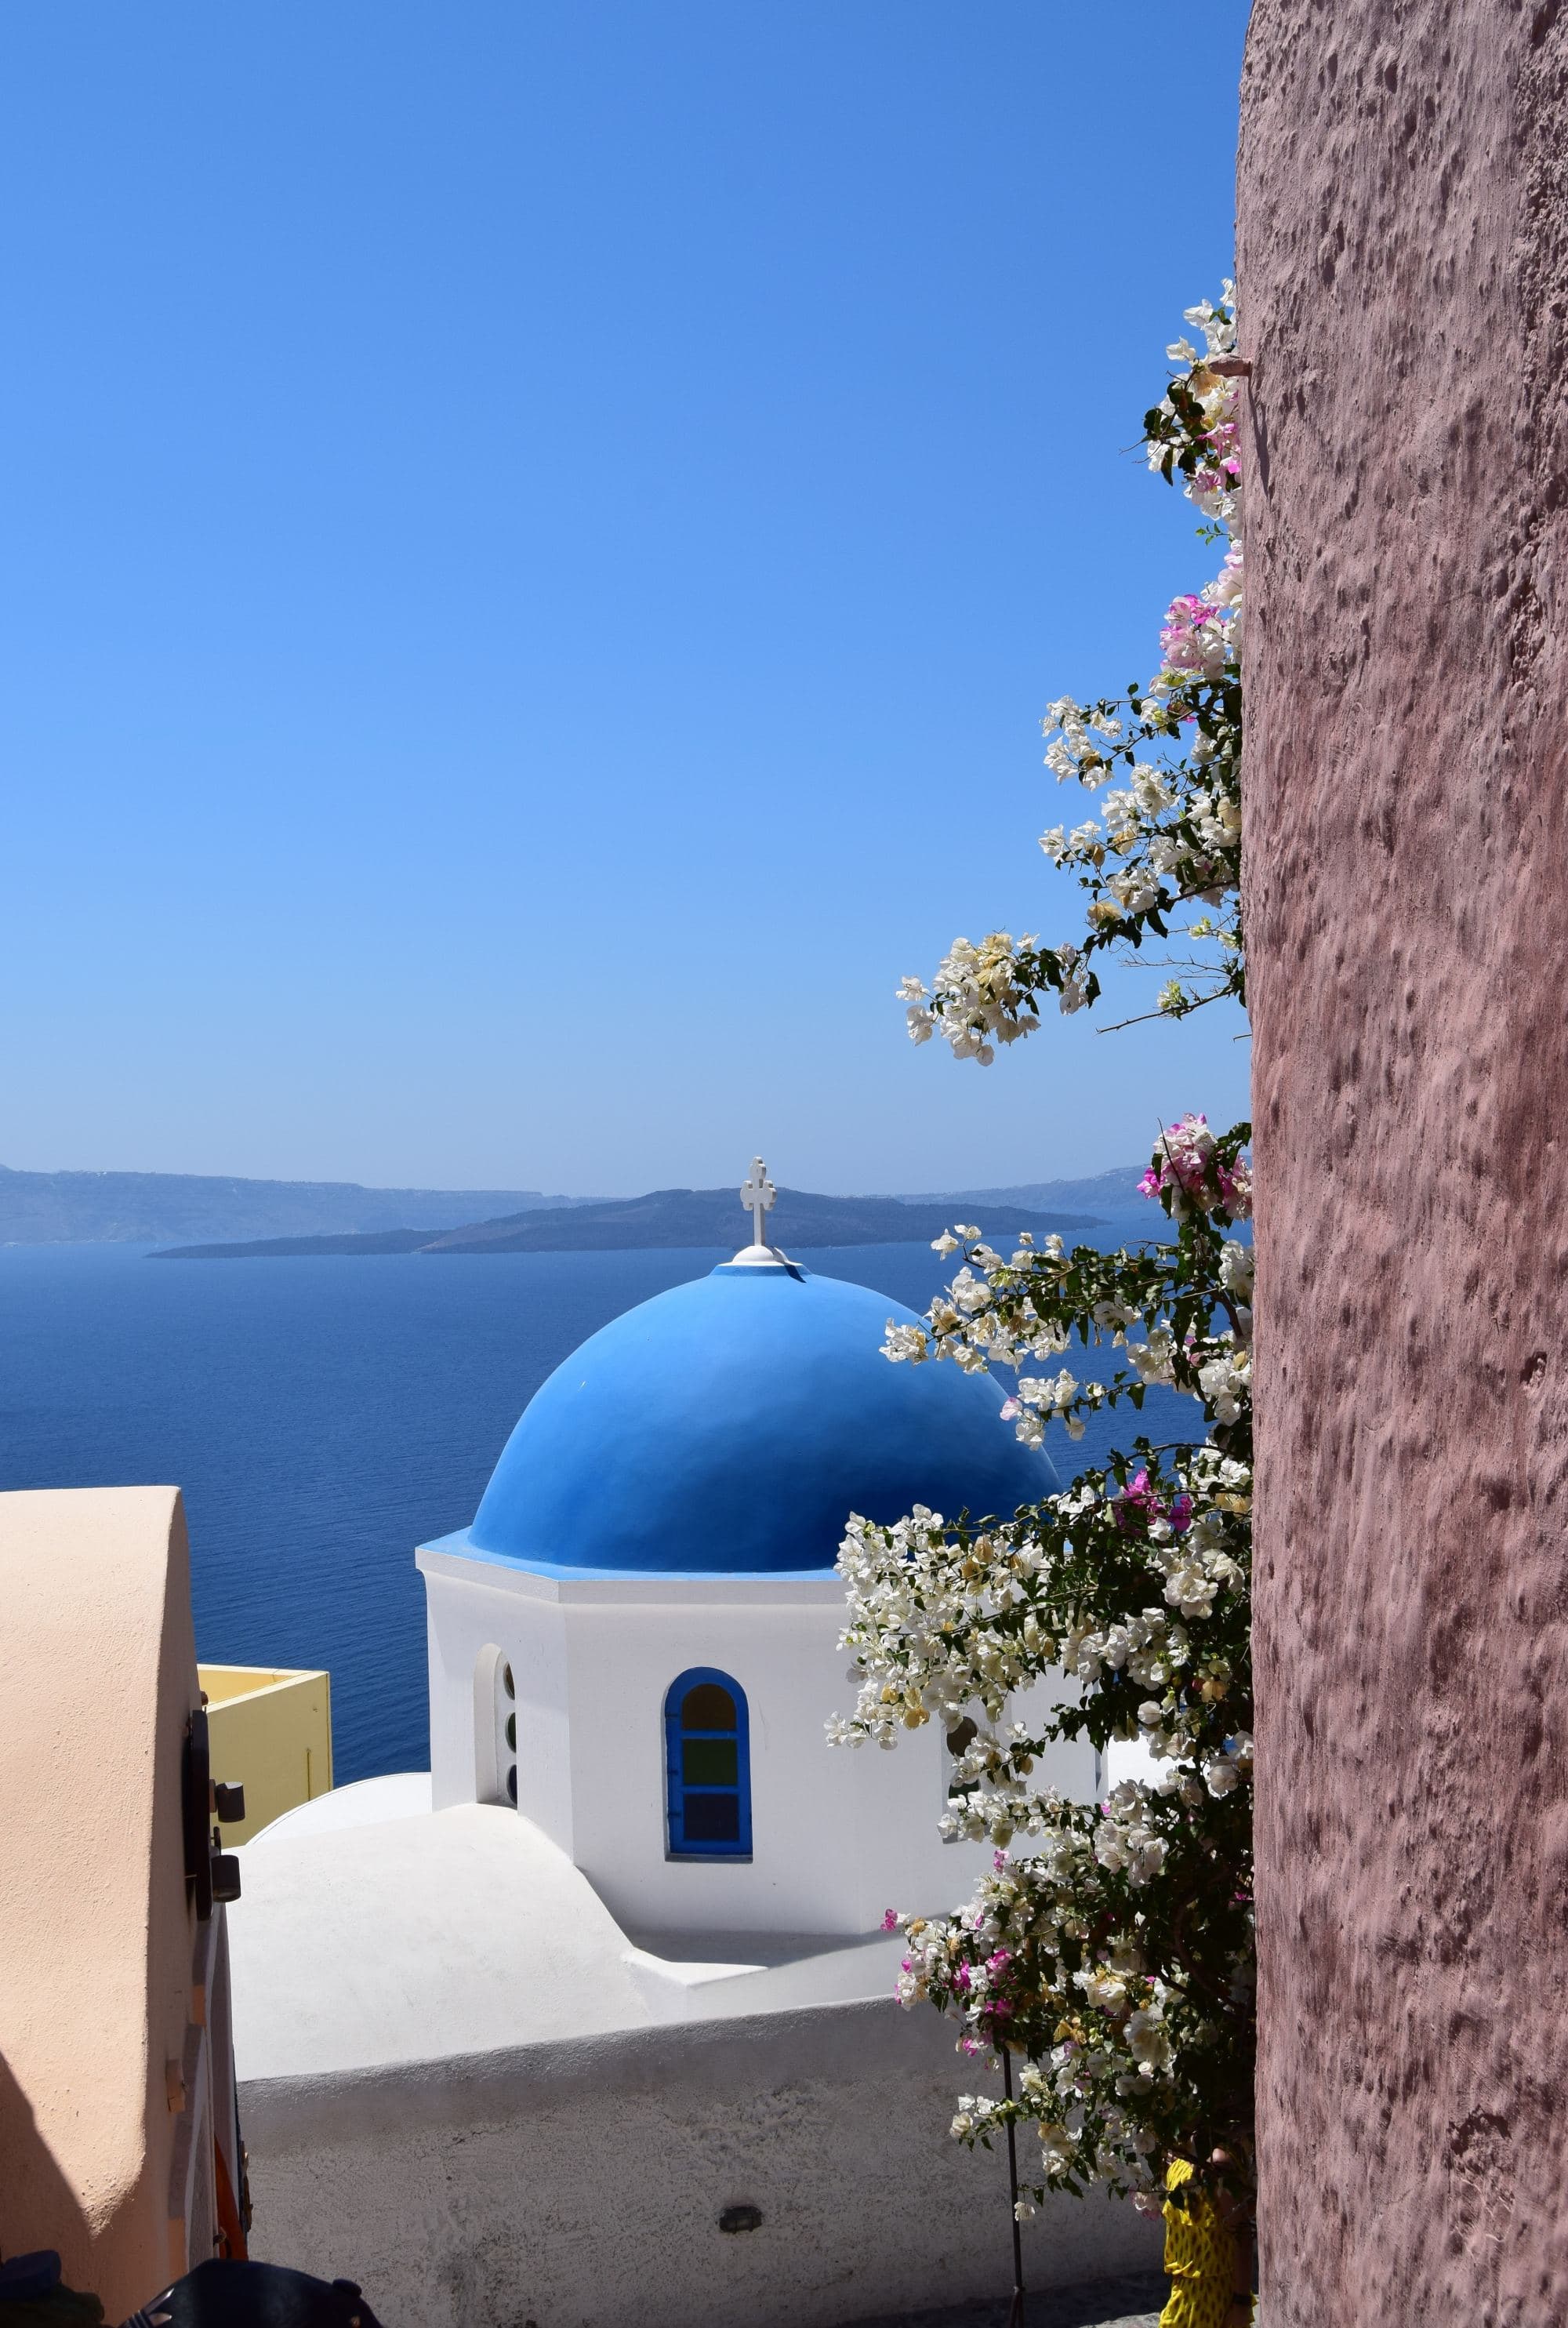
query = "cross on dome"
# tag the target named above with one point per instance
(757, 1194)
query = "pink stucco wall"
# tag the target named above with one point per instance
(1403, 267)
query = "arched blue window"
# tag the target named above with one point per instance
(708, 1767)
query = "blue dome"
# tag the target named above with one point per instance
(729, 1426)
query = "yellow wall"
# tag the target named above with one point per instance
(271, 1730)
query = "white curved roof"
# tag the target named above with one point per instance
(374, 1938)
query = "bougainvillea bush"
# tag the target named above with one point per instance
(1110, 1951)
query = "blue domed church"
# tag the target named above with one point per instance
(635, 1642)
(547, 2023)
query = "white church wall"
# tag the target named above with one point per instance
(839, 1834)
(1071, 1765)
(585, 2181)
(817, 1840)
(472, 1609)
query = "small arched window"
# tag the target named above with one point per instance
(708, 1767)
(506, 1721)
(494, 1727)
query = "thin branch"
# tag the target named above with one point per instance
(1146, 1017)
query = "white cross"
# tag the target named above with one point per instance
(757, 1196)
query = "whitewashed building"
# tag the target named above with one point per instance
(594, 2023)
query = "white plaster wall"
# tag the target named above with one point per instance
(580, 2185)
(453, 1932)
(837, 1837)
(470, 1607)
(839, 1834)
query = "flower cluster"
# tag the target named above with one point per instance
(1160, 856)
(1111, 1945)
(1181, 1314)
(1199, 636)
(1195, 1172)
(982, 1002)
(1194, 430)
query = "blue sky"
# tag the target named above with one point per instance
(538, 539)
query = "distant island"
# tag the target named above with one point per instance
(203, 1216)
(665, 1217)
(156, 1207)
(1115, 1193)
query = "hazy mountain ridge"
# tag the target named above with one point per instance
(1115, 1191)
(706, 1216)
(151, 1207)
(664, 1217)
(180, 1208)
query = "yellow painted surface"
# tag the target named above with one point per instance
(270, 1730)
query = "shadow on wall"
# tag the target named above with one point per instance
(38, 2207)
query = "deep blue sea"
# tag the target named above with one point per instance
(323, 1416)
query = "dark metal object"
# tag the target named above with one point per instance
(254, 2295)
(211, 1873)
(1015, 2318)
(29, 2278)
(195, 1808)
(740, 2218)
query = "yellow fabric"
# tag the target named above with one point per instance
(1200, 2259)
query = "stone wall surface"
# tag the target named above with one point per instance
(580, 2184)
(1404, 272)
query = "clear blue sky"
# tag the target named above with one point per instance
(538, 536)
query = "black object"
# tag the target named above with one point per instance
(195, 1808)
(211, 1873)
(221, 2294)
(740, 2218)
(26, 2277)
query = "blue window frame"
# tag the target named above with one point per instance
(708, 1766)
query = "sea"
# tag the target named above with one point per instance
(324, 1416)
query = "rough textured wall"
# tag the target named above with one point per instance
(581, 2181)
(1404, 268)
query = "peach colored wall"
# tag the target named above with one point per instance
(1404, 272)
(98, 1674)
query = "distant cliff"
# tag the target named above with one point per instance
(150, 1207)
(1115, 1191)
(713, 1217)
(183, 1209)
(667, 1217)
